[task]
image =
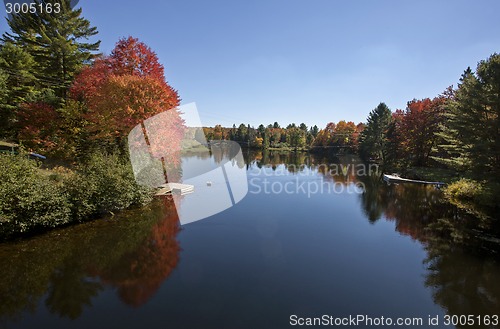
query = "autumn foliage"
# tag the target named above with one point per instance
(123, 89)
(132, 57)
(37, 125)
(418, 127)
(139, 274)
(342, 135)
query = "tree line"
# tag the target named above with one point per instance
(342, 136)
(270, 136)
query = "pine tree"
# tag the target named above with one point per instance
(265, 141)
(261, 129)
(373, 139)
(58, 43)
(250, 134)
(471, 132)
(314, 131)
(19, 85)
(242, 133)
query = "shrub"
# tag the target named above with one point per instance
(105, 183)
(32, 198)
(28, 198)
(464, 189)
(478, 198)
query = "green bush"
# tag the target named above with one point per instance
(464, 189)
(28, 198)
(32, 198)
(105, 183)
(480, 198)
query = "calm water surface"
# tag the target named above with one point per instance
(340, 245)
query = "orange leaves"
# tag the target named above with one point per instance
(90, 79)
(342, 134)
(416, 127)
(123, 89)
(132, 57)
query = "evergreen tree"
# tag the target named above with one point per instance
(232, 133)
(471, 132)
(261, 129)
(250, 134)
(266, 138)
(314, 131)
(242, 133)
(3, 91)
(373, 139)
(58, 42)
(19, 85)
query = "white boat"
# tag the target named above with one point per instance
(396, 179)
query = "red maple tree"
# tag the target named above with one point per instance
(124, 89)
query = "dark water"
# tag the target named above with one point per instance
(339, 245)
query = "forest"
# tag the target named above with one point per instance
(61, 98)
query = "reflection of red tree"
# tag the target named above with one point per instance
(140, 273)
(409, 208)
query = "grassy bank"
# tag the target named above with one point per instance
(444, 175)
(480, 198)
(34, 199)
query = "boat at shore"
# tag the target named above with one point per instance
(394, 178)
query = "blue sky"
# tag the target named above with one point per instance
(310, 61)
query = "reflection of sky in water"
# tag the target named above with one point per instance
(218, 185)
(197, 165)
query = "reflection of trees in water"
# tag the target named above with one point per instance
(223, 151)
(135, 251)
(374, 199)
(139, 273)
(70, 290)
(463, 283)
(462, 276)
(342, 169)
(294, 161)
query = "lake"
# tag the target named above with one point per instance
(314, 237)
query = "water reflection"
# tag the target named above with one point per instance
(138, 273)
(133, 252)
(462, 266)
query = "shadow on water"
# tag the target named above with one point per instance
(133, 252)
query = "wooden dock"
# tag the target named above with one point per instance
(397, 179)
(175, 188)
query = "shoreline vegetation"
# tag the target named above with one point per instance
(34, 199)
(78, 115)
